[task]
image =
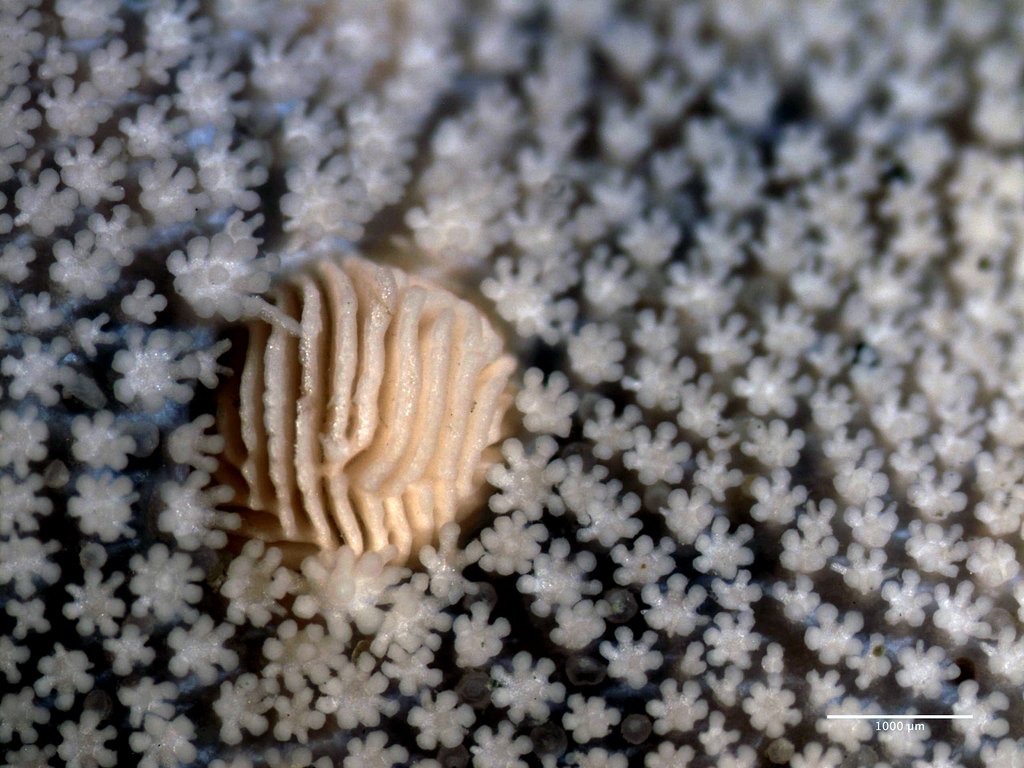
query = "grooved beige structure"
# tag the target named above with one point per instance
(368, 428)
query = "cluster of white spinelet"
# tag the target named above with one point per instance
(770, 465)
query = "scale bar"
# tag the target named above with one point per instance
(899, 717)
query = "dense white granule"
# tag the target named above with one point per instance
(760, 263)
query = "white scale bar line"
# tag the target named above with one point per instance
(899, 717)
